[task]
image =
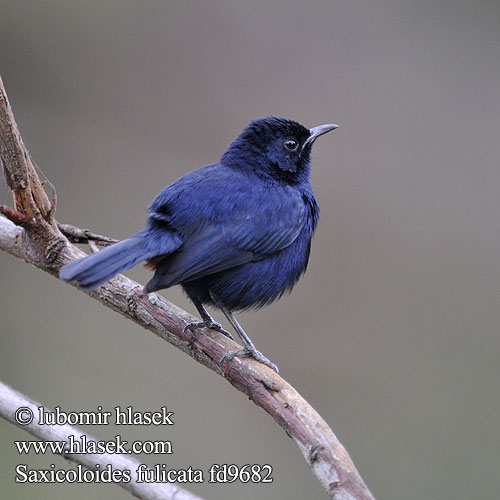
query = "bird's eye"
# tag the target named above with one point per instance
(291, 144)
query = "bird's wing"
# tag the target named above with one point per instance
(247, 234)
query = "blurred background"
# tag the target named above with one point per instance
(393, 333)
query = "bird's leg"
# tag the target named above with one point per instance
(249, 348)
(208, 321)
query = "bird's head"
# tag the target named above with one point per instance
(275, 148)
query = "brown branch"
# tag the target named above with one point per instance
(77, 235)
(20, 174)
(327, 458)
(18, 218)
(11, 401)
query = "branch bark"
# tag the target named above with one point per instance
(77, 235)
(43, 244)
(11, 401)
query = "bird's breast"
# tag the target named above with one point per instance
(257, 283)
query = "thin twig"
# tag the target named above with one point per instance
(77, 235)
(18, 218)
(93, 246)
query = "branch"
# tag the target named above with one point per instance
(18, 218)
(77, 235)
(48, 249)
(20, 174)
(11, 401)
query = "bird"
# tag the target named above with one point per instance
(236, 234)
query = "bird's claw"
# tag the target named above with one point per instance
(213, 325)
(251, 353)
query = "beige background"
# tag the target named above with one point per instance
(393, 334)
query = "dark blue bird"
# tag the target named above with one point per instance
(235, 234)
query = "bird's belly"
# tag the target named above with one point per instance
(254, 284)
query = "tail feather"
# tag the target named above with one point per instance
(96, 269)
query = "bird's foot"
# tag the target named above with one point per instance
(207, 324)
(248, 352)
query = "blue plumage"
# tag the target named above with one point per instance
(235, 234)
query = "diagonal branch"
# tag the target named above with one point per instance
(44, 245)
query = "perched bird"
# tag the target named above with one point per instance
(234, 234)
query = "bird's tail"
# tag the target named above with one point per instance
(101, 266)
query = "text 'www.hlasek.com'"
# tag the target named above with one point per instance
(74, 443)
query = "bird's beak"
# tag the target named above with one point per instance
(315, 132)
